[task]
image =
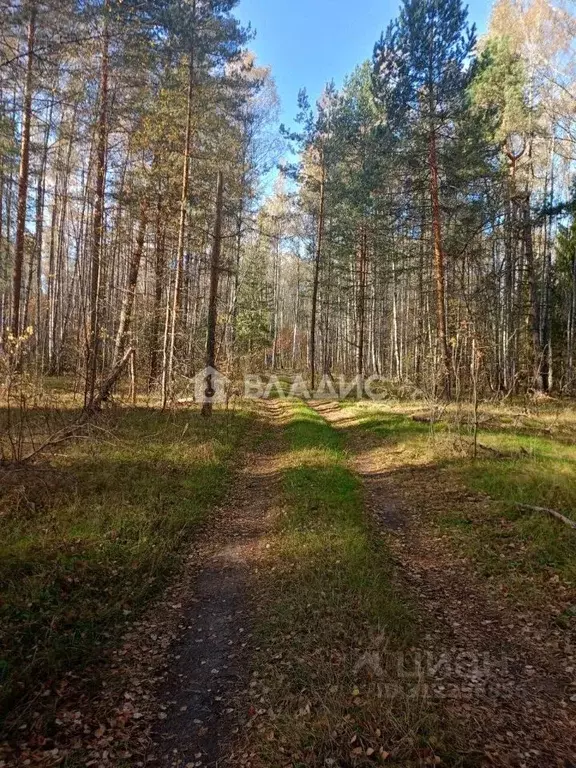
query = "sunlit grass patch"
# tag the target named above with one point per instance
(395, 426)
(368, 425)
(528, 545)
(86, 541)
(515, 539)
(539, 480)
(524, 458)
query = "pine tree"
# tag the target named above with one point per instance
(421, 72)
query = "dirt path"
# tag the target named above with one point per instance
(209, 663)
(169, 695)
(507, 676)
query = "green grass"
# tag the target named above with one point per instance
(524, 549)
(544, 474)
(325, 526)
(394, 427)
(518, 542)
(330, 598)
(86, 542)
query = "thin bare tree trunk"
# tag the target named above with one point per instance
(296, 313)
(98, 221)
(38, 237)
(23, 176)
(128, 303)
(362, 298)
(169, 372)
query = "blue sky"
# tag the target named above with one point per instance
(309, 42)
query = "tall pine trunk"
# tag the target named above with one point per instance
(159, 274)
(98, 220)
(168, 373)
(23, 176)
(439, 266)
(316, 278)
(533, 305)
(362, 260)
(213, 297)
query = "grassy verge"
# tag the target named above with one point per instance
(528, 549)
(86, 541)
(525, 458)
(327, 690)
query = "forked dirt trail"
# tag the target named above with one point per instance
(210, 660)
(509, 677)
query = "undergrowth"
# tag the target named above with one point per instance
(89, 538)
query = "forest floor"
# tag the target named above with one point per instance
(338, 585)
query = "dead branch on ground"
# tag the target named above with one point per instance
(552, 512)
